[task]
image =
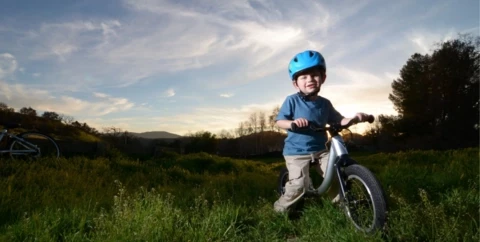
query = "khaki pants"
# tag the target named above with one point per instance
(299, 179)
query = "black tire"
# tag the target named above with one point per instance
(282, 180)
(368, 210)
(48, 147)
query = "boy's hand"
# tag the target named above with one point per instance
(301, 122)
(362, 117)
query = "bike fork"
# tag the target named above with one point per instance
(341, 181)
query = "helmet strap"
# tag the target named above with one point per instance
(308, 95)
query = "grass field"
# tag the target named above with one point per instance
(433, 196)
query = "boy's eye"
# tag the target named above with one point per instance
(303, 77)
(313, 75)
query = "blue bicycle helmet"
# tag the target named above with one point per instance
(305, 60)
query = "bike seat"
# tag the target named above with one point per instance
(11, 125)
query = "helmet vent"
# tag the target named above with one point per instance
(296, 60)
(311, 53)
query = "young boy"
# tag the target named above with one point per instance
(308, 72)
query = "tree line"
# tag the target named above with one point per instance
(437, 99)
(29, 114)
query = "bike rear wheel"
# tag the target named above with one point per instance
(33, 146)
(282, 180)
(364, 200)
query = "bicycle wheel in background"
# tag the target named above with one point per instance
(364, 200)
(37, 145)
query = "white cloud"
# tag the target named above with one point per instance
(258, 37)
(227, 95)
(63, 49)
(169, 93)
(61, 40)
(424, 40)
(8, 64)
(167, 36)
(391, 76)
(100, 95)
(359, 77)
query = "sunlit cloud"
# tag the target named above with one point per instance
(361, 92)
(208, 118)
(18, 96)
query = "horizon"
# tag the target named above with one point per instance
(184, 67)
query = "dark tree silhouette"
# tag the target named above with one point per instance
(52, 116)
(201, 141)
(28, 111)
(437, 94)
(5, 108)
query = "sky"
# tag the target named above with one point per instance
(188, 66)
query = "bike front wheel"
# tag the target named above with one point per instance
(34, 145)
(364, 200)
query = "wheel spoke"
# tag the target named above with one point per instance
(364, 201)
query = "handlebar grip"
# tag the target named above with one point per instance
(293, 126)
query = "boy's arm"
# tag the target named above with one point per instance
(285, 115)
(361, 118)
(286, 124)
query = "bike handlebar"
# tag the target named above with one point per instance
(337, 127)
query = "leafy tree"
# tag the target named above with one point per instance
(52, 116)
(438, 94)
(76, 124)
(201, 141)
(28, 111)
(224, 134)
(5, 108)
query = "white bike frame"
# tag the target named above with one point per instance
(31, 147)
(337, 150)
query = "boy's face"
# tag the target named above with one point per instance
(310, 81)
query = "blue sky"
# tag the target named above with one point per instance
(186, 66)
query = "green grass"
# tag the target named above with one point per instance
(433, 196)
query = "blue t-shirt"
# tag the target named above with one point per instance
(320, 112)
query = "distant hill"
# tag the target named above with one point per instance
(156, 135)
